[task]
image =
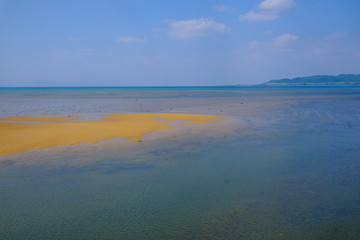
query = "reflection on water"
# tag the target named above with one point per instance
(293, 173)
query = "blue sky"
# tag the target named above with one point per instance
(175, 43)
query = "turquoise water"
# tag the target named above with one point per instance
(285, 167)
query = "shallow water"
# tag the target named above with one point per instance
(286, 167)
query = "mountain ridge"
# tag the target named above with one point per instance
(317, 80)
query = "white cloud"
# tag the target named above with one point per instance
(268, 10)
(282, 43)
(285, 39)
(277, 5)
(220, 8)
(196, 28)
(268, 32)
(258, 17)
(336, 36)
(130, 39)
(253, 44)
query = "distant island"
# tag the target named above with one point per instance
(319, 80)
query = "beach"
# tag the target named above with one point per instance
(213, 162)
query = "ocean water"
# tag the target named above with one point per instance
(286, 166)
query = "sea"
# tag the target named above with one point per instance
(285, 166)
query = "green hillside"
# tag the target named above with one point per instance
(319, 80)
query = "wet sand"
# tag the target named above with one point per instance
(29, 133)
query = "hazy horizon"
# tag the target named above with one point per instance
(188, 86)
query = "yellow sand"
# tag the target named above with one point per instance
(23, 135)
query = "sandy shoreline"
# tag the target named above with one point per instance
(29, 133)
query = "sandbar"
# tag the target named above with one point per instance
(28, 133)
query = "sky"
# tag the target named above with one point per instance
(175, 43)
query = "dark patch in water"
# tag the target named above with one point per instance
(127, 166)
(106, 168)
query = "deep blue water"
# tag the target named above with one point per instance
(286, 167)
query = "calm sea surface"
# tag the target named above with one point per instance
(287, 166)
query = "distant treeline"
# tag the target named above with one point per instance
(319, 80)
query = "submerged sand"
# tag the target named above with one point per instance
(27, 133)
